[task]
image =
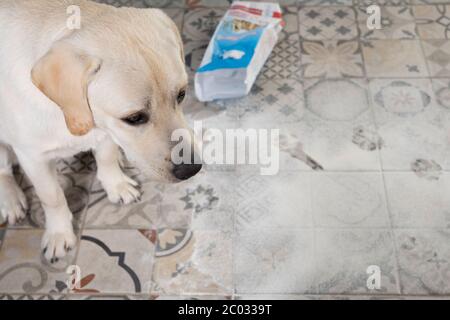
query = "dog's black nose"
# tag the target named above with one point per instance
(186, 171)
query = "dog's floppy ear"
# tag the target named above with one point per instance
(63, 75)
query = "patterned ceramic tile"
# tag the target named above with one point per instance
(327, 23)
(401, 97)
(102, 213)
(189, 262)
(413, 127)
(381, 2)
(283, 2)
(338, 297)
(109, 264)
(424, 261)
(76, 188)
(192, 4)
(290, 29)
(338, 128)
(143, 3)
(331, 59)
(324, 2)
(272, 297)
(190, 297)
(394, 58)
(31, 297)
(96, 296)
(23, 268)
(206, 199)
(437, 55)
(200, 24)
(176, 15)
(418, 202)
(283, 62)
(273, 102)
(81, 163)
(441, 89)
(343, 256)
(397, 22)
(201, 203)
(432, 21)
(274, 261)
(429, 1)
(349, 200)
(227, 3)
(264, 202)
(326, 99)
(193, 54)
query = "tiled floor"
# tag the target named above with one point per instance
(372, 108)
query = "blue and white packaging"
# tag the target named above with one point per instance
(241, 44)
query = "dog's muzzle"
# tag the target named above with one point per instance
(186, 171)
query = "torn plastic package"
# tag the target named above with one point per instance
(240, 46)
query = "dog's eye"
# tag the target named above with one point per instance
(181, 96)
(137, 119)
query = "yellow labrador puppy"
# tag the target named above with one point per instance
(118, 80)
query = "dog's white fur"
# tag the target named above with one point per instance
(128, 60)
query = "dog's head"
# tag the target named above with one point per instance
(124, 73)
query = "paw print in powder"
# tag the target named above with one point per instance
(426, 169)
(366, 139)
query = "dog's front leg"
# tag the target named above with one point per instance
(119, 187)
(13, 203)
(59, 236)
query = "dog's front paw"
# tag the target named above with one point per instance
(56, 243)
(13, 203)
(122, 190)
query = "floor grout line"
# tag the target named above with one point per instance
(84, 218)
(394, 241)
